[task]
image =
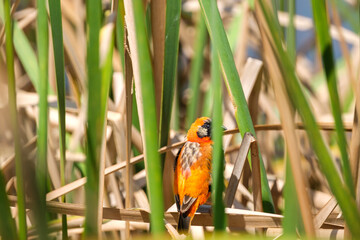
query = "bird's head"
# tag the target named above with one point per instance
(200, 130)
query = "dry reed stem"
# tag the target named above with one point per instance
(324, 213)
(286, 116)
(158, 16)
(237, 217)
(237, 170)
(256, 177)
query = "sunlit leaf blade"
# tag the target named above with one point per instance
(145, 96)
(294, 89)
(325, 44)
(218, 153)
(57, 36)
(42, 40)
(95, 121)
(196, 72)
(242, 114)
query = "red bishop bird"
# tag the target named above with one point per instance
(192, 171)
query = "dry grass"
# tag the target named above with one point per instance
(124, 194)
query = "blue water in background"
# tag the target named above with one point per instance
(304, 8)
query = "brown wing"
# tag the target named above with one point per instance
(191, 152)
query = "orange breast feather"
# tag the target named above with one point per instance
(193, 181)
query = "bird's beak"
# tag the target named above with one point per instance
(223, 127)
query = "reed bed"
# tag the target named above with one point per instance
(96, 98)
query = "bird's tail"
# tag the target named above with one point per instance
(184, 223)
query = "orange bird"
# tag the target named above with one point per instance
(192, 171)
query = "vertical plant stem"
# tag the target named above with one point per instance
(57, 36)
(286, 115)
(158, 13)
(218, 154)
(324, 43)
(106, 56)
(123, 49)
(94, 121)
(41, 166)
(145, 96)
(196, 71)
(121, 41)
(15, 129)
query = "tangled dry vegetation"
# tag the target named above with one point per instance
(120, 218)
